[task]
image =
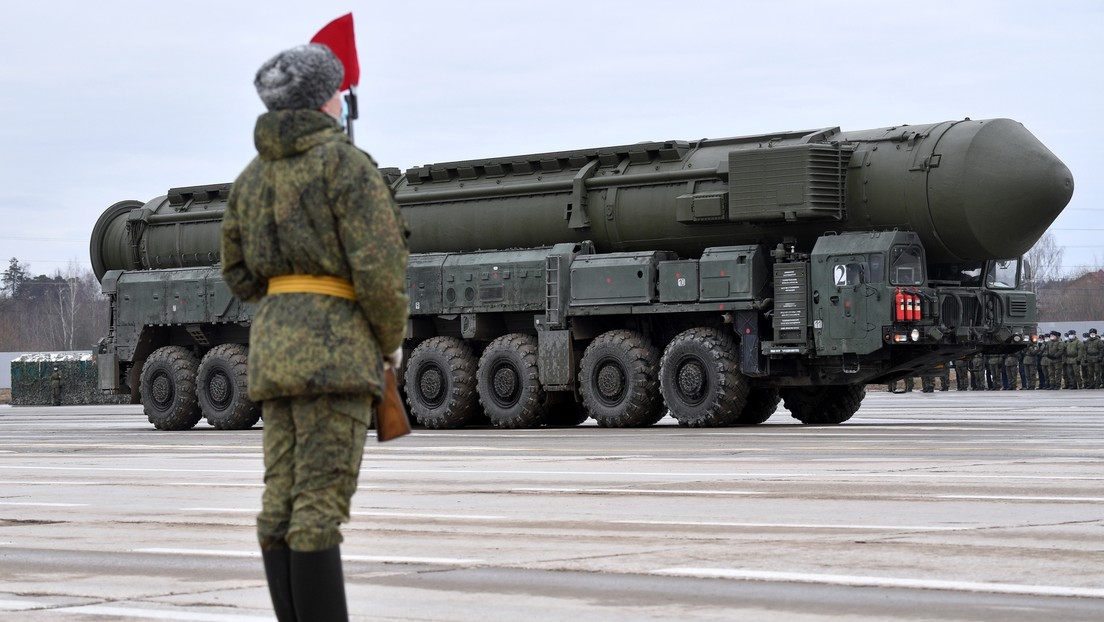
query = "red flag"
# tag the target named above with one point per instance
(341, 39)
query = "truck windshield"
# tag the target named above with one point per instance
(1003, 274)
(906, 265)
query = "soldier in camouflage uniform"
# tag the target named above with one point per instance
(977, 372)
(993, 366)
(1073, 360)
(312, 234)
(1031, 366)
(1053, 354)
(909, 383)
(962, 376)
(1094, 358)
(1012, 371)
(55, 387)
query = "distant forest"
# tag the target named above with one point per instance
(65, 311)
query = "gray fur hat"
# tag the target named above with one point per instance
(305, 76)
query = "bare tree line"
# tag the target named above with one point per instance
(65, 311)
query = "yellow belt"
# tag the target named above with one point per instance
(310, 284)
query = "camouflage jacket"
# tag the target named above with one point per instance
(1055, 350)
(312, 203)
(1073, 351)
(1094, 350)
(1031, 355)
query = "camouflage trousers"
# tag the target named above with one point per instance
(312, 453)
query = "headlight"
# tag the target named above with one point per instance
(915, 334)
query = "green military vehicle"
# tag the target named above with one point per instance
(707, 279)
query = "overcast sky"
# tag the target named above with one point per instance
(107, 100)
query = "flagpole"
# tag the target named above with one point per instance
(351, 101)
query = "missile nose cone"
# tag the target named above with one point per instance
(1001, 191)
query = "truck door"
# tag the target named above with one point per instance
(843, 301)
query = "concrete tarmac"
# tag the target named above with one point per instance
(985, 506)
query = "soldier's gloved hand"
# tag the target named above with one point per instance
(394, 360)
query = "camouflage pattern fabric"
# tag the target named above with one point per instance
(312, 203)
(1031, 366)
(312, 452)
(1052, 364)
(1094, 355)
(1073, 351)
(1012, 371)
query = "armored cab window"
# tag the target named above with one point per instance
(1003, 274)
(845, 274)
(877, 268)
(906, 265)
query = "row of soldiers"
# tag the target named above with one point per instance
(1059, 362)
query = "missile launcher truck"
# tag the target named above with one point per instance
(707, 279)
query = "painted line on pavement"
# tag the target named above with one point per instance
(476, 517)
(44, 504)
(790, 525)
(160, 614)
(634, 491)
(888, 582)
(1021, 498)
(383, 559)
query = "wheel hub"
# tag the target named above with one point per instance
(431, 385)
(505, 382)
(691, 380)
(162, 389)
(611, 382)
(218, 389)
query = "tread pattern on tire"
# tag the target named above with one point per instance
(455, 359)
(827, 405)
(728, 394)
(519, 351)
(761, 404)
(242, 413)
(180, 365)
(642, 404)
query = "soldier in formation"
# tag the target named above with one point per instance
(1031, 366)
(1054, 362)
(962, 375)
(977, 372)
(1094, 360)
(1012, 371)
(909, 384)
(1053, 355)
(993, 368)
(1072, 360)
(942, 373)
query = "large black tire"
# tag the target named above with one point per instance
(617, 380)
(508, 383)
(823, 405)
(168, 388)
(701, 380)
(440, 383)
(761, 404)
(223, 388)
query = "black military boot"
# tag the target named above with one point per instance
(318, 586)
(277, 565)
